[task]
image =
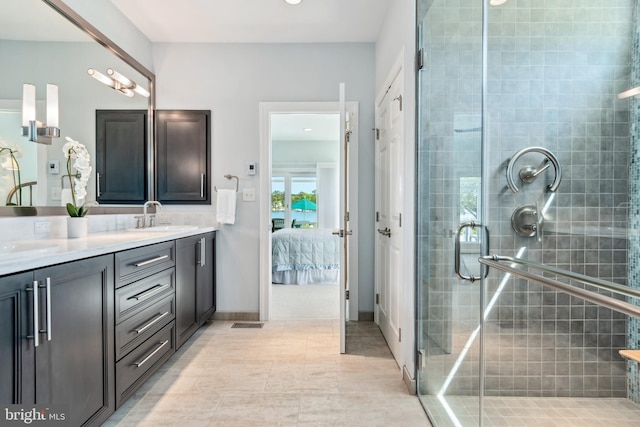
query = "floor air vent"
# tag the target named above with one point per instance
(247, 325)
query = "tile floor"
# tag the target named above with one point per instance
(289, 373)
(536, 411)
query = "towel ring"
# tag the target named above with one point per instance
(228, 176)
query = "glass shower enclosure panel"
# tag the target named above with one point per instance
(449, 184)
(521, 128)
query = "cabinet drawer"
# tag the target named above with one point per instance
(133, 298)
(142, 325)
(136, 367)
(136, 263)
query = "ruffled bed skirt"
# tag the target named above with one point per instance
(306, 277)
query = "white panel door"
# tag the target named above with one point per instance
(389, 196)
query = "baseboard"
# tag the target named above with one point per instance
(408, 381)
(237, 315)
(365, 316)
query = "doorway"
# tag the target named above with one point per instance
(300, 193)
(305, 195)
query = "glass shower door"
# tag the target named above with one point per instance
(503, 108)
(449, 189)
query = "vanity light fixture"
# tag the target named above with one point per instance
(34, 130)
(118, 82)
(497, 2)
(293, 2)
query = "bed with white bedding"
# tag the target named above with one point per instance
(303, 256)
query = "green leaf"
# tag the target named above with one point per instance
(72, 210)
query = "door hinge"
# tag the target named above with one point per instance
(420, 59)
(400, 220)
(399, 334)
(377, 298)
(346, 294)
(377, 216)
(346, 217)
(377, 133)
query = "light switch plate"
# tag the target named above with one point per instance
(248, 194)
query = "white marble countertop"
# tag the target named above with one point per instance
(37, 253)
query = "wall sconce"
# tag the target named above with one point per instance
(118, 82)
(31, 128)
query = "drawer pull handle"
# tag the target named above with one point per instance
(143, 361)
(150, 324)
(36, 309)
(151, 261)
(149, 292)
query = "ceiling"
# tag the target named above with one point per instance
(256, 21)
(305, 127)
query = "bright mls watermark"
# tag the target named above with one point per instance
(32, 415)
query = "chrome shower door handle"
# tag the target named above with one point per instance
(456, 250)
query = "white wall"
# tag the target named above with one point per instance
(108, 19)
(396, 38)
(231, 80)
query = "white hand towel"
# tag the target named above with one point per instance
(226, 206)
(65, 197)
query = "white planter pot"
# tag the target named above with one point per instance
(77, 227)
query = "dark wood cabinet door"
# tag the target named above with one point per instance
(75, 359)
(183, 159)
(121, 159)
(17, 351)
(187, 320)
(206, 277)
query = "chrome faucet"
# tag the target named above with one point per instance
(144, 212)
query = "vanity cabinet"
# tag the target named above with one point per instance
(104, 325)
(195, 284)
(71, 368)
(121, 156)
(183, 156)
(144, 314)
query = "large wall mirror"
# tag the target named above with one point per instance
(44, 41)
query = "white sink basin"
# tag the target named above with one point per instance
(164, 228)
(13, 250)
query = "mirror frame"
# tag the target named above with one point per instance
(77, 20)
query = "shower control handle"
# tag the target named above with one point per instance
(529, 174)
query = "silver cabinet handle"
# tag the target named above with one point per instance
(36, 327)
(202, 185)
(143, 361)
(98, 192)
(150, 324)
(203, 245)
(149, 292)
(151, 261)
(48, 287)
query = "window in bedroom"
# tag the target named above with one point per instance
(294, 200)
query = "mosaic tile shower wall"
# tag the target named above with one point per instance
(633, 339)
(553, 77)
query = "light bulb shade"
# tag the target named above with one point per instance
(28, 103)
(141, 91)
(53, 115)
(100, 77)
(120, 78)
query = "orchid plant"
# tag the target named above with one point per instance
(77, 152)
(10, 164)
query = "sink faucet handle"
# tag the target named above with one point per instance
(139, 221)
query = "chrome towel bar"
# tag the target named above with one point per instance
(496, 261)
